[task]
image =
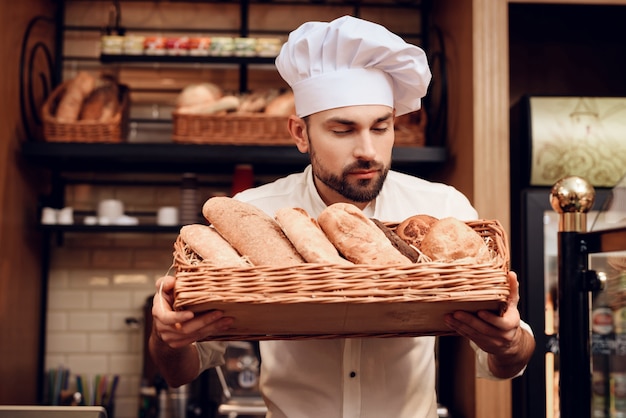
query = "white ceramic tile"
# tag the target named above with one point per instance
(56, 321)
(66, 342)
(88, 321)
(90, 278)
(111, 300)
(118, 321)
(109, 342)
(88, 364)
(67, 299)
(125, 364)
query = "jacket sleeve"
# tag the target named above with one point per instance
(210, 354)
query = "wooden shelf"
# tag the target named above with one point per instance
(178, 158)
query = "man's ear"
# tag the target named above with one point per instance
(297, 129)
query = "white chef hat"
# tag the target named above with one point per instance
(349, 62)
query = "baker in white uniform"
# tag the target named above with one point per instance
(350, 78)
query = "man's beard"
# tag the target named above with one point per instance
(363, 190)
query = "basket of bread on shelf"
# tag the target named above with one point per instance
(342, 274)
(204, 114)
(87, 108)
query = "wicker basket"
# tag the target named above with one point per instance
(114, 130)
(257, 129)
(330, 301)
(231, 129)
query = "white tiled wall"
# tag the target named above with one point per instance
(96, 283)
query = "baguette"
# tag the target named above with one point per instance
(357, 237)
(207, 243)
(307, 237)
(252, 232)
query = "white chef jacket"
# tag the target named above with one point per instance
(355, 377)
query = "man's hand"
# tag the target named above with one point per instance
(508, 345)
(180, 328)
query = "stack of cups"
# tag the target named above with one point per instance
(188, 199)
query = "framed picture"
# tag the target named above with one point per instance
(581, 136)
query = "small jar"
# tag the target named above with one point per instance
(222, 46)
(134, 44)
(111, 45)
(154, 45)
(245, 47)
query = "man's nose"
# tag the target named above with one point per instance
(364, 148)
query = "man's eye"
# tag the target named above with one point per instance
(381, 130)
(341, 131)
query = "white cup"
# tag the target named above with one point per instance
(167, 216)
(110, 208)
(49, 216)
(65, 216)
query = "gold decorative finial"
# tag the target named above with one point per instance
(572, 197)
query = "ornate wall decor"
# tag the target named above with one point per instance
(582, 136)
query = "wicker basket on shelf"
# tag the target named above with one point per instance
(231, 129)
(114, 130)
(329, 301)
(259, 129)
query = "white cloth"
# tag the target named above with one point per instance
(351, 61)
(364, 378)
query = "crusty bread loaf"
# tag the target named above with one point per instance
(207, 243)
(400, 244)
(283, 105)
(102, 104)
(308, 238)
(72, 99)
(198, 94)
(450, 239)
(252, 232)
(413, 229)
(357, 237)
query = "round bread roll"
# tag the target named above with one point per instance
(207, 243)
(450, 239)
(198, 94)
(413, 229)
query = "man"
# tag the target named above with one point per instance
(350, 79)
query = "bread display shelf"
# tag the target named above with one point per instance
(85, 131)
(331, 301)
(255, 129)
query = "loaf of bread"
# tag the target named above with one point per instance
(103, 102)
(450, 239)
(71, 102)
(252, 232)
(198, 94)
(413, 229)
(307, 237)
(357, 237)
(211, 247)
(282, 105)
